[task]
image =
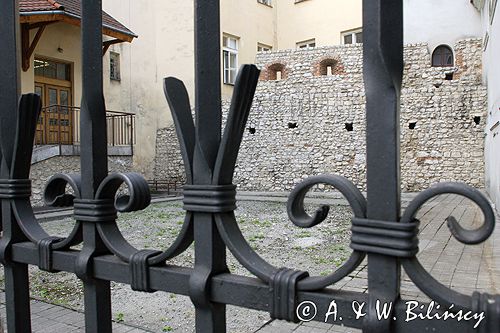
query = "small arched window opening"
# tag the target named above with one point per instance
(327, 67)
(276, 72)
(442, 57)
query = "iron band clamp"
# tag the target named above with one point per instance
(15, 188)
(94, 210)
(45, 253)
(394, 239)
(283, 288)
(139, 270)
(490, 306)
(210, 198)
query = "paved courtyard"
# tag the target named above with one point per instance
(48, 318)
(463, 268)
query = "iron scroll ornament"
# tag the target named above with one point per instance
(102, 209)
(222, 202)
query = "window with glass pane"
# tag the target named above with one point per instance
(114, 66)
(38, 90)
(306, 44)
(52, 96)
(265, 2)
(263, 48)
(352, 36)
(359, 37)
(64, 101)
(442, 57)
(230, 58)
(52, 69)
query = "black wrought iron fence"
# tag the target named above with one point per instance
(378, 231)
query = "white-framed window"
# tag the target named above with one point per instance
(263, 47)
(230, 58)
(265, 2)
(307, 44)
(114, 66)
(352, 36)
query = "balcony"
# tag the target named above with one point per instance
(58, 132)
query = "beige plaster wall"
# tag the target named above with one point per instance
(253, 23)
(164, 48)
(323, 20)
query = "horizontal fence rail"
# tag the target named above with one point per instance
(388, 239)
(60, 125)
(166, 186)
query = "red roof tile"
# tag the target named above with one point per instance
(36, 5)
(71, 8)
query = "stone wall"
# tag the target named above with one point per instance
(309, 123)
(168, 159)
(42, 171)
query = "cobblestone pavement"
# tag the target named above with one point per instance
(463, 268)
(48, 318)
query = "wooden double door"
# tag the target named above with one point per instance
(55, 124)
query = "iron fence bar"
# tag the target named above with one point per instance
(383, 67)
(76, 127)
(73, 125)
(16, 274)
(121, 131)
(241, 291)
(94, 166)
(131, 139)
(210, 252)
(59, 136)
(112, 130)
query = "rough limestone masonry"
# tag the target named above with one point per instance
(308, 118)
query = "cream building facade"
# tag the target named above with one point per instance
(51, 66)
(165, 47)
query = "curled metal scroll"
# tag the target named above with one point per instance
(239, 247)
(138, 198)
(29, 110)
(177, 97)
(417, 273)
(223, 174)
(54, 195)
(300, 218)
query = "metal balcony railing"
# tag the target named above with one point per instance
(60, 125)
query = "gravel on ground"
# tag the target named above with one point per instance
(266, 227)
